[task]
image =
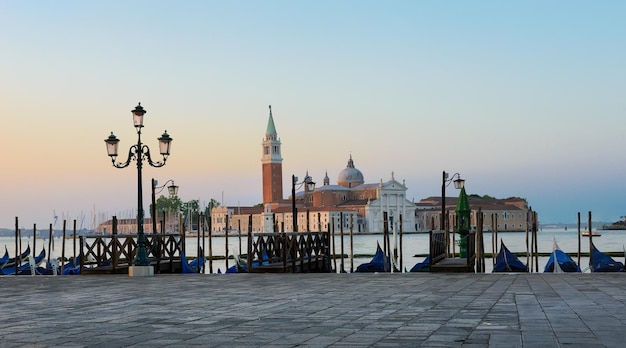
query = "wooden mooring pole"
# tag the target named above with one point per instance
(342, 270)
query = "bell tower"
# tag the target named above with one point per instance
(272, 164)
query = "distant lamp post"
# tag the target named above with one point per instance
(458, 184)
(172, 190)
(139, 152)
(310, 186)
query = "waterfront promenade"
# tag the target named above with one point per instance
(314, 310)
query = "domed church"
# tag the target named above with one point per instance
(369, 201)
(350, 176)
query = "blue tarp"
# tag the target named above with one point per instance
(26, 266)
(604, 263)
(378, 263)
(423, 266)
(565, 262)
(185, 268)
(506, 261)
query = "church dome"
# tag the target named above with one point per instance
(350, 176)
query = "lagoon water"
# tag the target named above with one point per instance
(414, 246)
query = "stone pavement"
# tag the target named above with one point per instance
(314, 310)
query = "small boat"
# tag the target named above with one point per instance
(184, 264)
(25, 268)
(506, 261)
(238, 267)
(197, 264)
(380, 262)
(11, 261)
(241, 264)
(564, 263)
(4, 259)
(593, 234)
(423, 266)
(603, 262)
(72, 267)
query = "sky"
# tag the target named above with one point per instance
(521, 99)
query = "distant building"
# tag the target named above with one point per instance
(126, 226)
(509, 214)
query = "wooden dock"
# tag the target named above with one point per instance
(440, 262)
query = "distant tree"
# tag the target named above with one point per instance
(168, 205)
(258, 205)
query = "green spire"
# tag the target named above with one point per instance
(462, 205)
(462, 213)
(271, 129)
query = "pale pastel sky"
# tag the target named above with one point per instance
(522, 98)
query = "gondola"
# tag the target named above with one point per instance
(423, 266)
(564, 263)
(379, 263)
(197, 264)
(506, 261)
(25, 268)
(11, 261)
(4, 259)
(72, 267)
(603, 262)
(185, 267)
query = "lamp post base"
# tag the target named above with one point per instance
(141, 271)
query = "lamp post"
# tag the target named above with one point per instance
(139, 152)
(458, 184)
(310, 186)
(172, 190)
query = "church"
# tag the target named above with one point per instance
(350, 204)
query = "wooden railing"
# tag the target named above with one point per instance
(438, 246)
(289, 252)
(113, 254)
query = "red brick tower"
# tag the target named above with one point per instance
(272, 165)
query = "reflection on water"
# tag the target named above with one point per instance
(414, 246)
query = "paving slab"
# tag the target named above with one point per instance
(314, 310)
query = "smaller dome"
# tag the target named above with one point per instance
(350, 176)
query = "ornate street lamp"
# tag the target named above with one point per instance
(310, 186)
(172, 190)
(458, 184)
(139, 152)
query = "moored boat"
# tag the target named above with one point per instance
(423, 266)
(560, 262)
(603, 262)
(593, 234)
(379, 263)
(506, 261)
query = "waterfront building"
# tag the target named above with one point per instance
(129, 226)
(509, 214)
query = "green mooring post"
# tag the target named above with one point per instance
(462, 223)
